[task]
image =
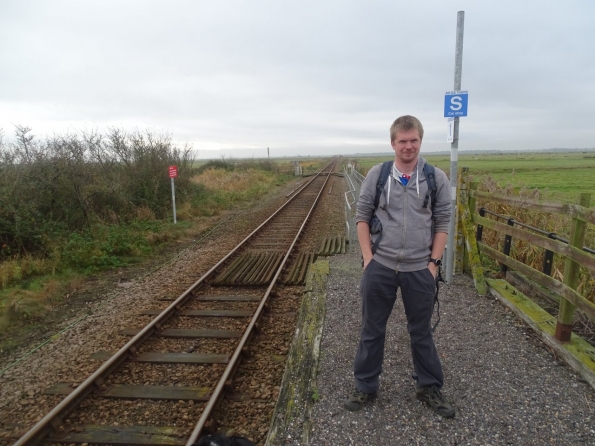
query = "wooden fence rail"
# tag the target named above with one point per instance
(556, 331)
(572, 210)
(573, 253)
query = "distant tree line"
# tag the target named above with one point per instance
(70, 183)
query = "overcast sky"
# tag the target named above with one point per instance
(302, 78)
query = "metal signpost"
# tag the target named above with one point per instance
(173, 173)
(455, 106)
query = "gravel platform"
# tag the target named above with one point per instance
(508, 389)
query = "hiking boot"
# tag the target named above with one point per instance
(358, 399)
(434, 398)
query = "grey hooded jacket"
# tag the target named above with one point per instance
(407, 227)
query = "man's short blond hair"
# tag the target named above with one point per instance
(404, 124)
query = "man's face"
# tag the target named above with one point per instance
(406, 145)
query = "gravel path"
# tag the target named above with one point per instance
(506, 386)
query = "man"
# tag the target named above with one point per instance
(406, 255)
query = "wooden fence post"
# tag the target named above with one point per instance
(571, 273)
(507, 247)
(472, 249)
(472, 205)
(459, 258)
(473, 200)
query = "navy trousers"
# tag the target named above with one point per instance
(379, 292)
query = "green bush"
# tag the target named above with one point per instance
(107, 246)
(72, 183)
(90, 201)
(82, 251)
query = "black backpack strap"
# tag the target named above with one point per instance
(384, 173)
(382, 178)
(431, 179)
(436, 301)
(435, 305)
(431, 193)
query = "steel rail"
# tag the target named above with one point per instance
(41, 428)
(218, 392)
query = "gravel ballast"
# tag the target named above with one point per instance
(508, 389)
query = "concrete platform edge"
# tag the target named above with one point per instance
(298, 387)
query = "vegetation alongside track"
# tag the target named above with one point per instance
(74, 205)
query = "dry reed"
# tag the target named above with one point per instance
(552, 223)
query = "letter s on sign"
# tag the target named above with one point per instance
(455, 103)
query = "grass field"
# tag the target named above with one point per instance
(558, 176)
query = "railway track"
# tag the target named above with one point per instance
(175, 379)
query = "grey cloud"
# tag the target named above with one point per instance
(309, 77)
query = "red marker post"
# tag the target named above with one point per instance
(173, 173)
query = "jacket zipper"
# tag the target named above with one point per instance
(402, 250)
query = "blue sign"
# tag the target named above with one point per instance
(455, 103)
